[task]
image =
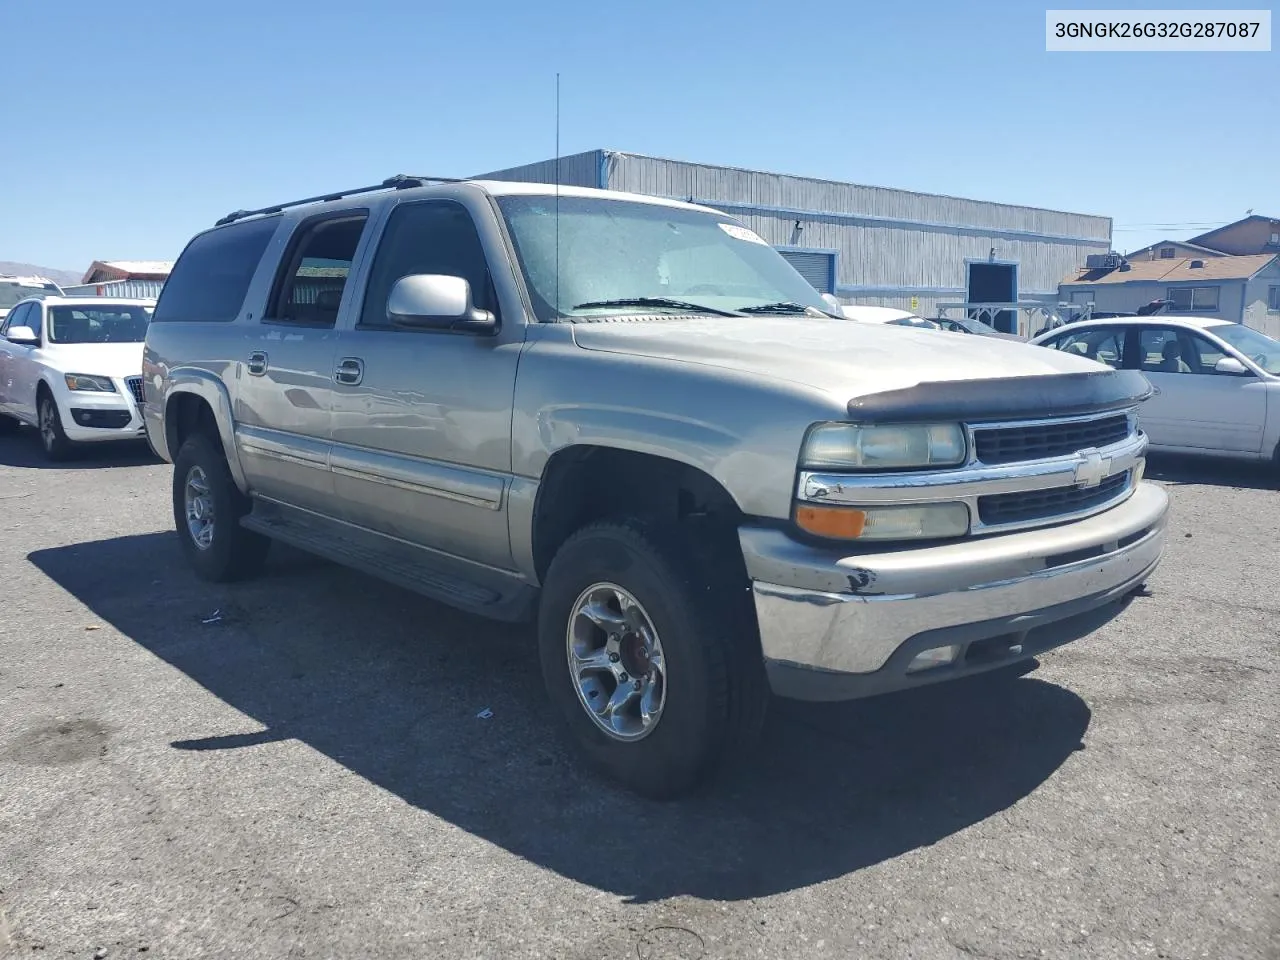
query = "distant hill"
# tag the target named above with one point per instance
(62, 278)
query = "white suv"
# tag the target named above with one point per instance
(72, 366)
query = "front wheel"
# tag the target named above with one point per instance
(53, 439)
(207, 507)
(654, 668)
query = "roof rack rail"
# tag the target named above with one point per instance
(401, 181)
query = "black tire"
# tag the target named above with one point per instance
(716, 691)
(232, 552)
(53, 439)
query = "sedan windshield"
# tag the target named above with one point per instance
(116, 323)
(1258, 347)
(620, 256)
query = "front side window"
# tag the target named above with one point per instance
(432, 236)
(594, 252)
(97, 324)
(17, 317)
(308, 289)
(1258, 347)
(1103, 344)
(1192, 299)
(1161, 350)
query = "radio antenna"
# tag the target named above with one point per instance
(557, 196)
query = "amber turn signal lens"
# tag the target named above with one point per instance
(840, 522)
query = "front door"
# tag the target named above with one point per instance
(422, 425)
(1195, 407)
(25, 364)
(285, 384)
(16, 318)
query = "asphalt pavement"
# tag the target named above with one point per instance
(305, 766)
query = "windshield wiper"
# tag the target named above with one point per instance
(783, 306)
(656, 302)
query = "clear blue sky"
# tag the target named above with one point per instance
(132, 125)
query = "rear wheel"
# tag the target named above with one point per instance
(207, 507)
(53, 439)
(654, 668)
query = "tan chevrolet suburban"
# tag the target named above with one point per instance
(632, 421)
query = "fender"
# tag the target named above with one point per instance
(210, 388)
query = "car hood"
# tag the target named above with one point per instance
(103, 359)
(842, 357)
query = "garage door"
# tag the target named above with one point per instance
(816, 267)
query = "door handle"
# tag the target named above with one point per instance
(257, 363)
(350, 371)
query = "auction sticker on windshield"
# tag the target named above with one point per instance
(742, 233)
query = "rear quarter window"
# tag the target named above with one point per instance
(211, 278)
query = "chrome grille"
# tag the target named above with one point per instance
(1033, 505)
(135, 387)
(1039, 441)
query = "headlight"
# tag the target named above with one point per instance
(928, 521)
(90, 383)
(883, 446)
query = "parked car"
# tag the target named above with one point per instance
(633, 421)
(974, 326)
(887, 315)
(1217, 383)
(16, 289)
(72, 366)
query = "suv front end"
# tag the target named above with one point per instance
(931, 540)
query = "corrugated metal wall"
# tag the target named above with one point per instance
(131, 289)
(576, 170)
(892, 245)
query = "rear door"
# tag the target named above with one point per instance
(1195, 407)
(422, 419)
(285, 385)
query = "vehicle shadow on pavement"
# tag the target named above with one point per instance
(1212, 471)
(22, 449)
(393, 687)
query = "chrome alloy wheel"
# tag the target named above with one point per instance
(48, 417)
(200, 513)
(615, 662)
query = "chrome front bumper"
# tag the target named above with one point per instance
(834, 626)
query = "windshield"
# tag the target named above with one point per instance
(94, 324)
(11, 293)
(1258, 347)
(621, 250)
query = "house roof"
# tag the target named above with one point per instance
(124, 269)
(1230, 226)
(1207, 251)
(1177, 271)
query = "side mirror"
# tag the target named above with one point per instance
(1232, 367)
(832, 303)
(432, 301)
(24, 336)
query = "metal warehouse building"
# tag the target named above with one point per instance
(870, 245)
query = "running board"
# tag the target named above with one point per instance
(449, 580)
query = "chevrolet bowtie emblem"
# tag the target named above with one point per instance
(1092, 469)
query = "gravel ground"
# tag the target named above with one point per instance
(295, 767)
